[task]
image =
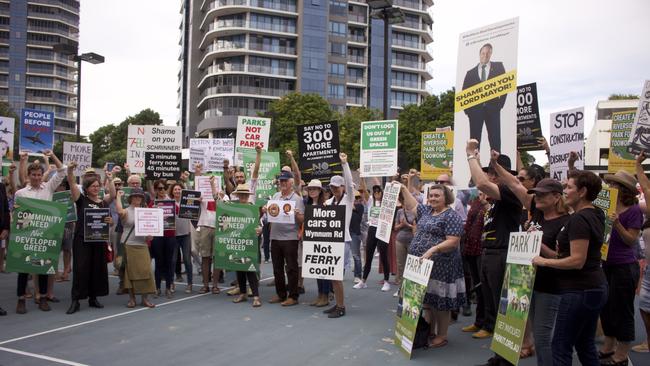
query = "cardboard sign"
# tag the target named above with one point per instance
(378, 155)
(96, 229)
(606, 201)
(567, 135)
(251, 132)
(318, 147)
(436, 154)
(36, 131)
(485, 105)
(80, 153)
(281, 211)
(529, 128)
(65, 198)
(149, 221)
(159, 139)
(212, 153)
(323, 242)
(203, 185)
(161, 165)
(269, 169)
(640, 135)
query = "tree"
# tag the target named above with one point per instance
(622, 97)
(350, 134)
(291, 110)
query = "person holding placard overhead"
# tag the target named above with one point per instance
(89, 271)
(138, 279)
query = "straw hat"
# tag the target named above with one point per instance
(242, 189)
(623, 178)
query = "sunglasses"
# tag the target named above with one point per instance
(161, 188)
(521, 179)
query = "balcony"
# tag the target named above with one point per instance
(273, 27)
(356, 79)
(231, 111)
(252, 3)
(408, 44)
(271, 70)
(63, 129)
(59, 4)
(357, 59)
(51, 57)
(359, 38)
(409, 4)
(53, 30)
(69, 20)
(409, 64)
(243, 89)
(357, 18)
(406, 84)
(286, 50)
(355, 100)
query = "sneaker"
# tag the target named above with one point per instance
(357, 280)
(337, 313)
(386, 286)
(482, 334)
(471, 328)
(396, 294)
(266, 261)
(360, 285)
(641, 348)
(43, 305)
(20, 307)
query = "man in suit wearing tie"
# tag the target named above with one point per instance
(490, 111)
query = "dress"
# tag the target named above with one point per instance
(89, 270)
(446, 289)
(137, 273)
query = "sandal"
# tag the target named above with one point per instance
(147, 304)
(130, 304)
(527, 352)
(439, 344)
(204, 290)
(256, 302)
(215, 290)
(240, 298)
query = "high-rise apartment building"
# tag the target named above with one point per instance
(237, 56)
(32, 75)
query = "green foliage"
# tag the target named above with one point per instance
(622, 96)
(349, 131)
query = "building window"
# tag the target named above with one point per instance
(338, 49)
(337, 70)
(338, 7)
(335, 91)
(338, 29)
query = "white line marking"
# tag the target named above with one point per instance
(42, 357)
(110, 317)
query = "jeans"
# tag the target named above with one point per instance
(543, 312)
(21, 289)
(266, 243)
(163, 249)
(355, 248)
(575, 326)
(185, 245)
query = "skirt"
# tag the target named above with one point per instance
(138, 275)
(446, 289)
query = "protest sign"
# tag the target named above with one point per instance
(486, 86)
(203, 185)
(640, 134)
(190, 205)
(269, 170)
(36, 131)
(212, 153)
(35, 237)
(323, 242)
(281, 211)
(606, 201)
(96, 229)
(567, 135)
(251, 132)
(236, 242)
(162, 165)
(436, 154)
(7, 126)
(149, 222)
(414, 286)
(378, 155)
(169, 213)
(516, 294)
(529, 128)
(619, 156)
(387, 211)
(125, 196)
(65, 198)
(318, 147)
(154, 139)
(80, 153)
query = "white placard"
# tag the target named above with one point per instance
(567, 135)
(281, 211)
(197, 156)
(80, 153)
(215, 151)
(151, 139)
(324, 242)
(387, 211)
(149, 221)
(203, 185)
(640, 134)
(523, 246)
(251, 132)
(418, 270)
(7, 126)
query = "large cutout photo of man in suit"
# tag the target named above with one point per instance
(488, 113)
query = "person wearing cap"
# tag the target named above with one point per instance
(544, 201)
(284, 245)
(621, 269)
(316, 196)
(501, 219)
(373, 207)
(243, 193)
(138, 279)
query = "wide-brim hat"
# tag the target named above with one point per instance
(504, 161)
(315, 183)
(623, 178)
(242, 189)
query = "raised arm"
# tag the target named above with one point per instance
(12, 178)
(227, 177)
(258, 162)
(74, 188)
(54, 182)
(347, 176)
(364, 189)
(111, 188)
(409, 203)
(478, 176)
(118, 206)
(294, 167)
(22, 169)
(511, 181)
(573, 157)
(520, 163)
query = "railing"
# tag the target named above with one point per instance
(359, 18)
(357, 59)
(227, 23)
(50, 57)
(57, 16)
(58, 128)
(355, 100)
(270, 48)
(356, 79)
(225, 47)
(59, 31)
(409, 44)
(229, 111)
(411, 64)
(57, 3)
(406, 84)
(418, 5)
(215, 69)
(273, 27)
(254, 4)
(241, 23)
(244, 89)
(271, 70)
(357, 38)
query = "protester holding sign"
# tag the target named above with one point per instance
(183, 240)
(164, 247)
(36, 188)
(316, 197)
(580, 279)
(437, 238)
(206, 225)
(89, 271)
(138, 279)
(621, 268)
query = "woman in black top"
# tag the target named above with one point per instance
(579, 277)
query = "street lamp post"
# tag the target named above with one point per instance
(89, 57)
(383, 9)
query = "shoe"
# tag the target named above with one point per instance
(240, 298)
(467, 310)
(169, 294)
(157, 294)
(330, 310)
(234, 283)
(188, 289)
(324, 301)
(74, 307)
(204, 290)
(482, 334)
(611, 362)
(215, 290)
(93, 303)
(233, 292)
(290, 301)
(470, 329)
(256, 302)
(360, 285)
(172, 288)
(266, 262)
(386, 286)
(53, 299)
(641, 348)
(20, 307)
(276, 300)
(316, 301)
(357, 280)
(249, 292)
(179, 278)
(438, 344)
(42, 305)
(396, 294)
(148, 304)
(337, 313)
(454, 317)
(3, 312)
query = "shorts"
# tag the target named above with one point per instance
(206, 241)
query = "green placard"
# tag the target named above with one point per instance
(65, 197)
(236, 242)
(36, 235)
(379, 135)
(269, 169)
